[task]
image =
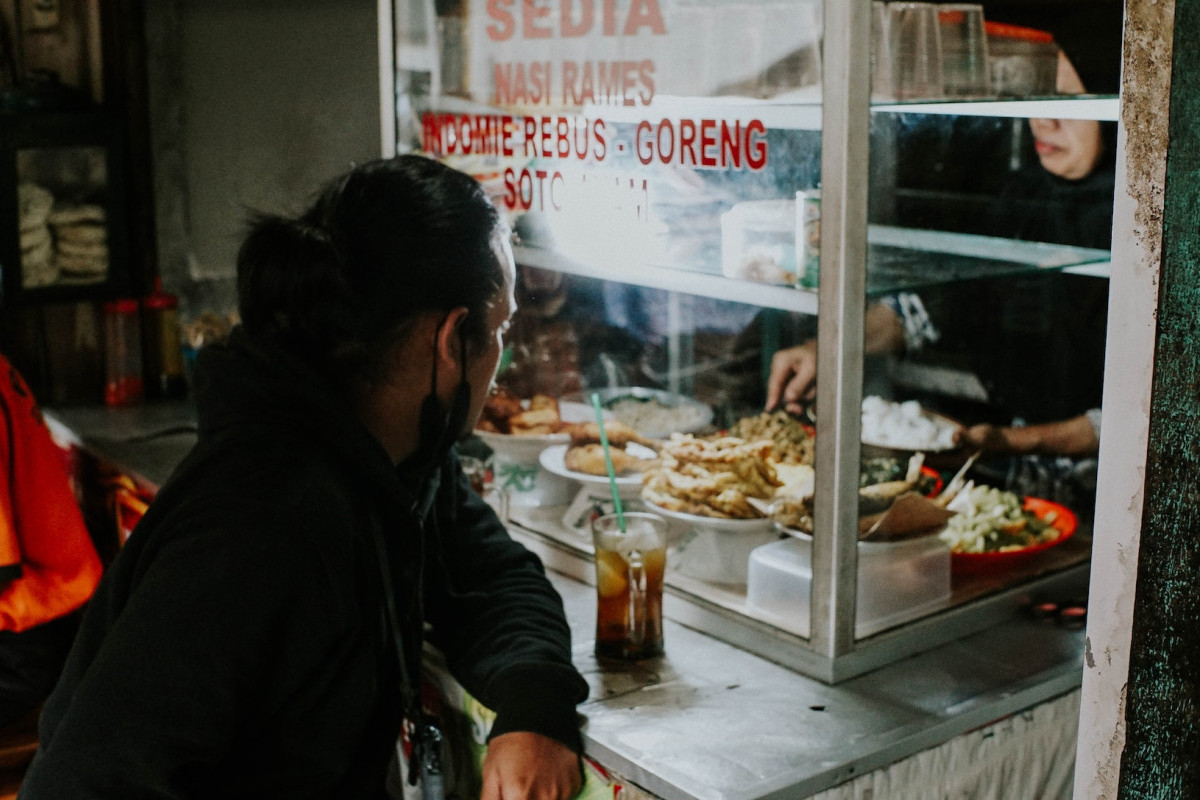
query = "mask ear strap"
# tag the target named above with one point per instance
(433, 366)
(462, 344)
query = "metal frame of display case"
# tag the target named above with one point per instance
(832, 652)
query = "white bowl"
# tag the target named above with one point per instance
(715, 549)
(519, 448)
(517, 468)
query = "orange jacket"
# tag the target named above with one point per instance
(41, 527)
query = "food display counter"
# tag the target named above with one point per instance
(705, 179)
(991, 714)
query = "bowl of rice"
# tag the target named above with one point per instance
(905, 427)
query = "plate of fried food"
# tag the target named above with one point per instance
(711, 478)
(582, 458)
(706, 487)
(523, 427)
(517, 430)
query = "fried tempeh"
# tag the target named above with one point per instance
(589, 458)
(619, 434)
(712, 477)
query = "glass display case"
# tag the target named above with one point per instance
(696, 185)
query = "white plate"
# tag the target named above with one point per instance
(553, 458)
(720, 524)
(714, 549)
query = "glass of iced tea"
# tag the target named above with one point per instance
(629, 584)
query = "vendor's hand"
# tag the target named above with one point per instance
(529, 766)
(991, 439)
(793, 378)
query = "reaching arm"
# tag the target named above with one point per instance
(793, 378)
(1070, 437)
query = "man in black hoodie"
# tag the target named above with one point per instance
(260, 634)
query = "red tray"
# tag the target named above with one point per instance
(1065, 521)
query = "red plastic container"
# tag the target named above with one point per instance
(123, 384)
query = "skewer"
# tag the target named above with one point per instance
(958, 481)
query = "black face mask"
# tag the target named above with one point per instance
(439, 430)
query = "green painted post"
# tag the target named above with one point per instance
(1162, 746)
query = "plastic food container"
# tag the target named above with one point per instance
(123, 384)
(897, 582)
(758, 241)
(1023, 61)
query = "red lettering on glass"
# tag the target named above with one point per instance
(587, 17)
(505, 25)
(531, 16)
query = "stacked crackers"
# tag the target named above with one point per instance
(60, 243)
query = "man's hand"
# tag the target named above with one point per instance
(793, 378)
(529, 766)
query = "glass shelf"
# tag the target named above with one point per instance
(702, 284)
(898, 259)
(901, 259)
(1102, 108)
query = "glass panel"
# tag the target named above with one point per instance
(62, 199)
(648, 154)
(618, 134)
(979, 228)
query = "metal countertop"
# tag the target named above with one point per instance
(708, 720)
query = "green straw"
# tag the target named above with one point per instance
(612, 473)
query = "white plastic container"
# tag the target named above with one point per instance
(758, 241)
(896, 582)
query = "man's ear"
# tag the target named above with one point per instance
(448, 343)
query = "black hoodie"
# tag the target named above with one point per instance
(237, 646)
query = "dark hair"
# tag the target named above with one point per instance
(381, 244)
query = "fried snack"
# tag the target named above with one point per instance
(791, 441)
(535, 422)
(712, 477)
(504, 412)
(589, 458)
(499, 406)
(542, 402)
(794, 512)
(619, 434)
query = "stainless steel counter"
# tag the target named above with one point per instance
(708, 720)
